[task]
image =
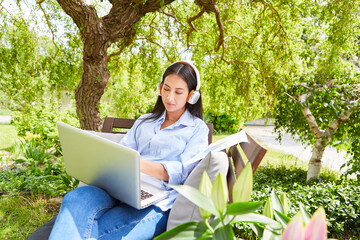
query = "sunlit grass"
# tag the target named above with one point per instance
(5, 112)
(21, 215)
(7, 136)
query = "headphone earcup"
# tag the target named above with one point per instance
(193, 97)
(159, 87)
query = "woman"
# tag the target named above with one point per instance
(165, 138)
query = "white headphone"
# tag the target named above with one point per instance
(194, 95)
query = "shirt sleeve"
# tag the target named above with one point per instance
(129, 140)
(175, 168)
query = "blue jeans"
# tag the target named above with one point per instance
(90, 213)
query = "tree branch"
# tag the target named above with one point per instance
(292, 97)
(310, 119)
(78, 11)
(158, 44)
(49, 25)
(192, 27)
(210, 6)
(172, 16)
(238, 23)
(335, 124)
(221, 29)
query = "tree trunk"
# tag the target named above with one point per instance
(91, 87)
(315, 160)
(97, 34)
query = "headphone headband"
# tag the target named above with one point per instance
(193, 95)
(195, 70)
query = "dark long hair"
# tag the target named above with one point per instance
(188, 74)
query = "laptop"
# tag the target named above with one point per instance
(110, 166)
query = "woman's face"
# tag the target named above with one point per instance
(174, 94)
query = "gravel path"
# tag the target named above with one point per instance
(5, 119)
(332, 158)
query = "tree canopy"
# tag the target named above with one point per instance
(320, 103)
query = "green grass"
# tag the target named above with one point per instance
(7, 136)
(21, 215)
(5, 112)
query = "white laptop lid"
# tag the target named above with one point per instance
(100, 162)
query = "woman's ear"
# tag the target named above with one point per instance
(159, 88)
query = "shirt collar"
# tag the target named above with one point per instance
(186, 119)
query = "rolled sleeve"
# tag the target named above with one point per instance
(175, 171)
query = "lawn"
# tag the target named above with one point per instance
(7, 136)
(21, 215)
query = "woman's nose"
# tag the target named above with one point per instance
(170, 96)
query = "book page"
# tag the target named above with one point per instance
(220, 145)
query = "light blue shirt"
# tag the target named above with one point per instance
(171, 146)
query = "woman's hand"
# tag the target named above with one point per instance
(154, 169)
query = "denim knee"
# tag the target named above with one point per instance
(87, 195)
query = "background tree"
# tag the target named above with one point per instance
(321, 102)
(240, 50)
(129, 21)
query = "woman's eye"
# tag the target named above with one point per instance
(179, 93)
(166, 89)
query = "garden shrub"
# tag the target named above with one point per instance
(27, 176)
(340, 199)
(223, 123)
(40, 124)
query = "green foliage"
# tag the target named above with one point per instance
(212, 199)
(36, 153)
(273, 223)
(27, 177)
(223, 123)
(339, 198)
(41, 121)
(325, 78)
(29, 73)
(33, 169)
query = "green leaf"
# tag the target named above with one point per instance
(257, 229)
(243, 207)
(305, 214)
(268, 209)
(65, 180)
(243, 186)
(219, 193)
(285, 203)
(205, 188)
(282, 218)
(186, 231)
(270, 235)
(199, 199)
(276, 203)
(224, 233)
(256, 218)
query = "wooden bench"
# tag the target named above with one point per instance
(253, 151)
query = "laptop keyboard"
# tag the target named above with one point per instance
(145, 195)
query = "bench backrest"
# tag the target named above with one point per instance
(253, 150)
(123, 123)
